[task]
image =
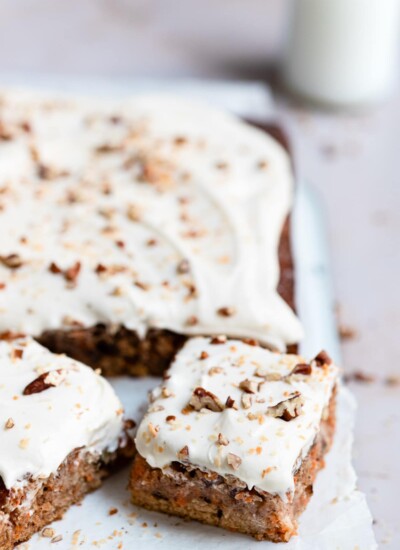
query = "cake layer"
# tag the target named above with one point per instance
(26, 510)
(148, 214)
(51, 405)
(233, 408)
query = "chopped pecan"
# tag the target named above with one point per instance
(133, 213)
(215, 370)
(203, 399)
(226, 311)
(288, 409)
(108, 148)
(45, 381)
(53, 268)
(180, 140)
(302, 368)
(183, 267)
(153, 430)
(71, 273)
(230, 403)
(17, 353)
(322, 359)
(49, 173)
(203, 355)
(170, 418)
(246, 400)
(142, 286)
(251, 341)
(100, 268)
(222, 440)
(5, 133)
(220, 339)
(192, 321)
(249, 386)
(183, 454)
(12, 261)
(234, 461)
(268, 376)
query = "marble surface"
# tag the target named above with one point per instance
(352, 160)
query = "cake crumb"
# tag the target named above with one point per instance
(48, 532)
(347, 332)
(359, 376)
(392, 380)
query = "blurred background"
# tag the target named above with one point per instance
(350, 155)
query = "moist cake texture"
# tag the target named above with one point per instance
(62, 431)
(235, 419)
(148, 214)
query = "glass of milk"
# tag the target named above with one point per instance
(343, 52)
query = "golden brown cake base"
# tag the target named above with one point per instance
(78, 475)
(226, 502)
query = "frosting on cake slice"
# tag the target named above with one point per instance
(50, 406)
(149, 213)
(237, 409)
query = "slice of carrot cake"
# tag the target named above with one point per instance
(61, 432)
(140, 223)
(235, 437)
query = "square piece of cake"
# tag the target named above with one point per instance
(141, 223)
(235, 436)
(61, 432)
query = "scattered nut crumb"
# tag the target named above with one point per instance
(392, 380)
(234, 461)
(359, 376)
(9, 424)
(48, 532)
(346, 332)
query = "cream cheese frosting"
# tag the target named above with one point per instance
(237, 409)
(151, 212)
(51, 405)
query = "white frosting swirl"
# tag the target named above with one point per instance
(39, 430)
(138, 187)
(268, 448)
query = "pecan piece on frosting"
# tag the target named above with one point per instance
(183, 267)
(12, 261)
(183, 454)
(230, 403)
(234, 461)
(45, 381)
(72, 272)
(226, 311)
(301, 368)
(203, 399)
(322, 359)
(220, 339)
(248, 386)
(288, 409)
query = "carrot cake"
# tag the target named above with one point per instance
(62, 431)
(127, 227)
(235, 437)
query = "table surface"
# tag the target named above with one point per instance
(352, 160)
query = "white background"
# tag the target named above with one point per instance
(352, 160)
